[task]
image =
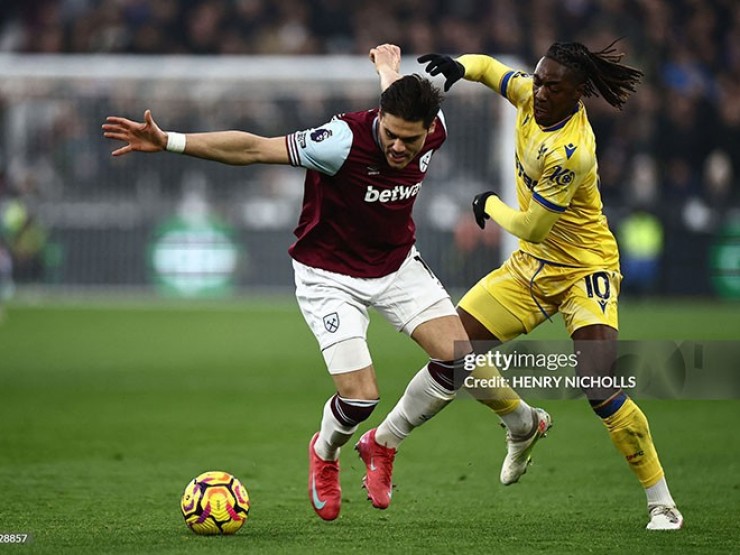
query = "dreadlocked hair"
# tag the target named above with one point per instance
(600, 71)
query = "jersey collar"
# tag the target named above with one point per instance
(562, 123)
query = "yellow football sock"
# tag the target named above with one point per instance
(499, 397)
(630, 433)
(502, 407)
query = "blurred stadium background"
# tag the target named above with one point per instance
(107, 409)
(75, 219)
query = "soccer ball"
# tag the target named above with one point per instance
(215, 503)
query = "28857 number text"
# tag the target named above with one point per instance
(13, 538)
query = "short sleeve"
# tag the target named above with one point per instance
(515, 86)
(323, 149)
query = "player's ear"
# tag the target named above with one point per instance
(432, 127)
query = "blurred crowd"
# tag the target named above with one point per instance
(682, 130)
(674, 151)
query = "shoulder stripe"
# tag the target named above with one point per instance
(551, 206)
(505, 83)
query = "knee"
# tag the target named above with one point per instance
(365, 391)
(350, 366)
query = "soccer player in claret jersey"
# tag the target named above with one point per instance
(354, 249)
(567, 259)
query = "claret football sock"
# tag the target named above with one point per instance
(339, 422)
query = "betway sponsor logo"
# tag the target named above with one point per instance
(399, 192)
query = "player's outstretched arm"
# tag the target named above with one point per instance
(471, 67)
(532, 225)
(387, 61)
(228, 147)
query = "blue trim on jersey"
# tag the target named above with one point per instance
(505, 83)
(612, 406)
(562, 123)
(547, 204)
(531, 290)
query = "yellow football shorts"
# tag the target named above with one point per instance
(525, 291)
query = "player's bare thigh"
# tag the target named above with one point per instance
(442, 338)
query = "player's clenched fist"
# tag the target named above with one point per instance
(479, 208)
(142, 137)
(388, 55)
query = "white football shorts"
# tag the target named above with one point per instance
(335, 306)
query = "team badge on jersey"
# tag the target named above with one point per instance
(424, 161)
(331, 322)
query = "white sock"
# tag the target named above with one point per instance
(332, 436)
(519, 421)
(422, 399)
(659, 495)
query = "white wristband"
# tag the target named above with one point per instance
(175, 142)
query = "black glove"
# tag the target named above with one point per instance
(451, 69)
(479, 208)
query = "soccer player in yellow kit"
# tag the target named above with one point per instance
(567, 260)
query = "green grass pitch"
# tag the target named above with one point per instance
(106, 412)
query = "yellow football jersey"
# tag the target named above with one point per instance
(555, 166)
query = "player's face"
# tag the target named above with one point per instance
(555, 92)
(401, 140)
